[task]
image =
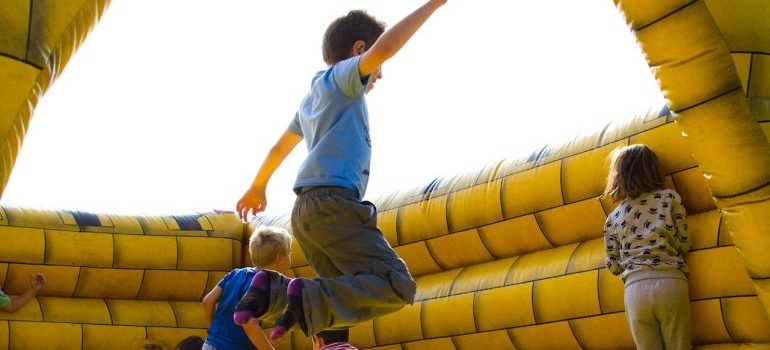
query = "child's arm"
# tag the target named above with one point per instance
(394, 38)
(612, 244)
(35, 283)
(256, 335)
(254, 200)
(210, 302)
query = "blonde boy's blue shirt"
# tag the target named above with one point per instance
(334, 121)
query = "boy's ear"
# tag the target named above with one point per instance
(359, 47)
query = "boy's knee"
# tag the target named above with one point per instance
(402, 283)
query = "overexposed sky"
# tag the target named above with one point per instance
(170, 106)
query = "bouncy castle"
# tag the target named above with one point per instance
(510, 256)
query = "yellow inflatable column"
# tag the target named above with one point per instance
(691, 60)
(37, 39)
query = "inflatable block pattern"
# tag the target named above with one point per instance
(689, 49)
(512, 236)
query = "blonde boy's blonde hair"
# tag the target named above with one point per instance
(633, 170)
(266, 243)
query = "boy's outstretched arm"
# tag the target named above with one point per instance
(394, 38)
(36, 282)
(254, 200)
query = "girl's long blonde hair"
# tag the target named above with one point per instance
(633, 170)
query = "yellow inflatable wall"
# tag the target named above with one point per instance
(507, 257)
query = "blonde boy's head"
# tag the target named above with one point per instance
(268, 243)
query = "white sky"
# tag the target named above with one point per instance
(170, 106)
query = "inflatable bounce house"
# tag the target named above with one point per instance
(507, 257)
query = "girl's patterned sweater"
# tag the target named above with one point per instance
(648, 232)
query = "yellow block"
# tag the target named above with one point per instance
(169, 337)
(610, 292)
(225, 225)
(141, 313)
(603, 332)
(99, 337)
(422, 220)
(14, 27)
(709, 327)
(418, 258)
(401, 326)
(691, 66)
(61, 279)
(436, 285)
(742, 63)
(189, 314)
(669, 146)
(20, 244)
(760, 71)
(724, 262)
(576, 222)
(704, 229)
(386, 221)
(556, 335)
(458, 250)
(745, 27)
(149, 252)
(458, 308)
(729, 145)
(750, 224)
(430, 344)
(108, 283)
(589, 255)
(513, 237)
(474, 206)
(78, 248)
(41, 335)
(516, 301)
(362, 335)
(4, 334)
(498, 340)
(202, 253)
(543, 264)
(483, 276)
(692, 187)
(746, 319)
(551, 303)
(532, 190)
(584, 175)
(73, 310)
(173, 285)
(388, 347)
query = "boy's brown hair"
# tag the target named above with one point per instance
(266, 243)
(633, 170)
(345, 31)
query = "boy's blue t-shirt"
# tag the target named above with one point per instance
(334, 121)
(223, 332)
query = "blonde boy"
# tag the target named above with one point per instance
(270, 249)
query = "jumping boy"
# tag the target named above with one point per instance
(270, 249)
(361, 277)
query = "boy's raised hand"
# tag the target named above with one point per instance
(395, 38)
(37, 281)
(253, 201)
